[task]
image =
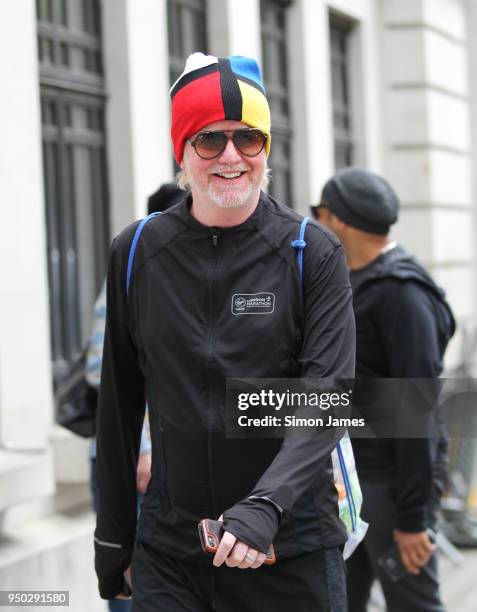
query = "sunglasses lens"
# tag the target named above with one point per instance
(249, 142)
(209, 144)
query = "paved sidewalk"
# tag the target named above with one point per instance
(459, 584)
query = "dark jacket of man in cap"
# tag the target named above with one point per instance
(403, 325)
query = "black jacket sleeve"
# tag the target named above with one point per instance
(119, 422)
(328, 352)
(411, 339)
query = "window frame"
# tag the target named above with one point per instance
(278, 95)
(73, 283)
(344, 134)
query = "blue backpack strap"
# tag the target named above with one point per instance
(132, 250)
(299, 244)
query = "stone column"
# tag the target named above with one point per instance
(138, 115)
(26, 403)
(427, 139)
(233, 28)
(26, 406)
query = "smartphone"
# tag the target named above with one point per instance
(391, 563)
(210, 534)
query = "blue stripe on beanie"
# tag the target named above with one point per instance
(248, 68)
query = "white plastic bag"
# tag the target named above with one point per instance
(350, 498)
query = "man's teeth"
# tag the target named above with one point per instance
(229, 175)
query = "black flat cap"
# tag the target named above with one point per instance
(361, 199)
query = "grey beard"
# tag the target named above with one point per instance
(225, 200)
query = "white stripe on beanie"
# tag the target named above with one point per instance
(195, 61)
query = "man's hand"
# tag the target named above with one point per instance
(127, 577)
(143, 474)
(415, 549)
(236, 553)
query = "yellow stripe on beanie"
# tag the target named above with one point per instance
(255, 110)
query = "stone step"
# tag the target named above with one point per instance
(53, 553)
(25, 475)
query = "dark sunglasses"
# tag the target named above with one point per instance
(318, 210)
(248, 141)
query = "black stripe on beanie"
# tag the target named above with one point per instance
(250, 82)
(193, 76)
(231, 94)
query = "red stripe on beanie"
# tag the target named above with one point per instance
(193, 107)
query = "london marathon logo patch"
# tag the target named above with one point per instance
(253, 303)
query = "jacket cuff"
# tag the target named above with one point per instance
(254, 522)
(412, 522)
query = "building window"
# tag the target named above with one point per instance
(187, 33)
(74, 166)
(69, 41)
(340, 30)
(275, 76)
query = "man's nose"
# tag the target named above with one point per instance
(230, 155)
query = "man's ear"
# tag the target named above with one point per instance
(337, 224)
(182, 164)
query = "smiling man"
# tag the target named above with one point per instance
(184, 326)
(232, 178)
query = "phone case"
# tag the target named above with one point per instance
(210, 534)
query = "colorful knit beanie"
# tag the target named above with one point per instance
(213, 89)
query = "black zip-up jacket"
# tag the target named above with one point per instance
(174, 340)
(403, 325)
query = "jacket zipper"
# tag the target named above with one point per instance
(210, 361)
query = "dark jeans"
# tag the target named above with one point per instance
(314, 582)
(412, 593)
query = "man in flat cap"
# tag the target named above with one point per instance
(403, 324)
(213, 292)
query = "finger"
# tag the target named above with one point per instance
(226, 544)
(237, 555)
(249, 559)
(424, 555)
(260, 560)
(221, 518)
(415, 558)
(409, 566)
(420, 553)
